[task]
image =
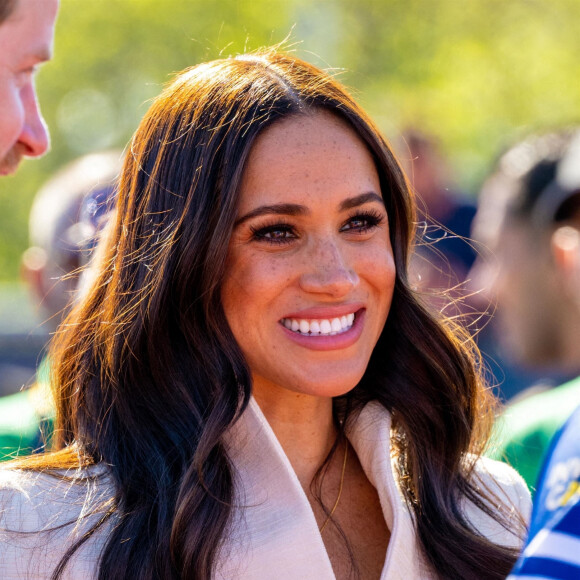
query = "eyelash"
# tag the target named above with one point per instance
(371, 219)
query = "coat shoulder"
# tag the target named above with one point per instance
(42, 515)
(506, 492)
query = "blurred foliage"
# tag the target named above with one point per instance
(476, 73)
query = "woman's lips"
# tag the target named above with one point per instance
(325, 333)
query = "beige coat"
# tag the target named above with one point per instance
(274, 536)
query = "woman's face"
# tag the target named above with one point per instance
(310, 270)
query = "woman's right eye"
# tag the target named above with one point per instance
(275, 234)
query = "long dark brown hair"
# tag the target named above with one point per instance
(147, 373)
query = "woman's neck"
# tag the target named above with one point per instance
(303, 425)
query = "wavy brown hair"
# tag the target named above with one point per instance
(147, 373)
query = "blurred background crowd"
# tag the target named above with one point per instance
(459, 88)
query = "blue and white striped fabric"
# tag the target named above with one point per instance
(553, 553)
(553, 548)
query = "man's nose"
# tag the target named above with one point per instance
(328, 271)
(34, 139)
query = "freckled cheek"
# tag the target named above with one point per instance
(257, 280)
(377, 266)
(378, 271)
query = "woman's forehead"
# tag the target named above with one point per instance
(304, 157)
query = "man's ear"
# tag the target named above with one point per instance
(565, 245)
(32, 271)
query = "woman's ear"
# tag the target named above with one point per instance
(565, 246)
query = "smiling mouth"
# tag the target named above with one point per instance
(319, 327)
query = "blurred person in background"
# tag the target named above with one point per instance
(528, 217)
(26, 38)
(65, 215)
(444, 253)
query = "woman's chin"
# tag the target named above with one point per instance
(313, 385)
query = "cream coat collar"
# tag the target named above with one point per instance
(275, 534)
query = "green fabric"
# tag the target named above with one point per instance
(22, 424)
(522, 434)
(19, 425)
(43, 372)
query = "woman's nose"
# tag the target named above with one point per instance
(328, 271)
(34, 139)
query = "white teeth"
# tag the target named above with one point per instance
(323, 327)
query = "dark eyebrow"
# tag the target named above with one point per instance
(360, 200)
(296, 209)
(276, 209)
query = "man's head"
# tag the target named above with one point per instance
(529, 218)
(65, 215)
(26, 32)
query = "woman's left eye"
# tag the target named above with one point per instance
(362, 222)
